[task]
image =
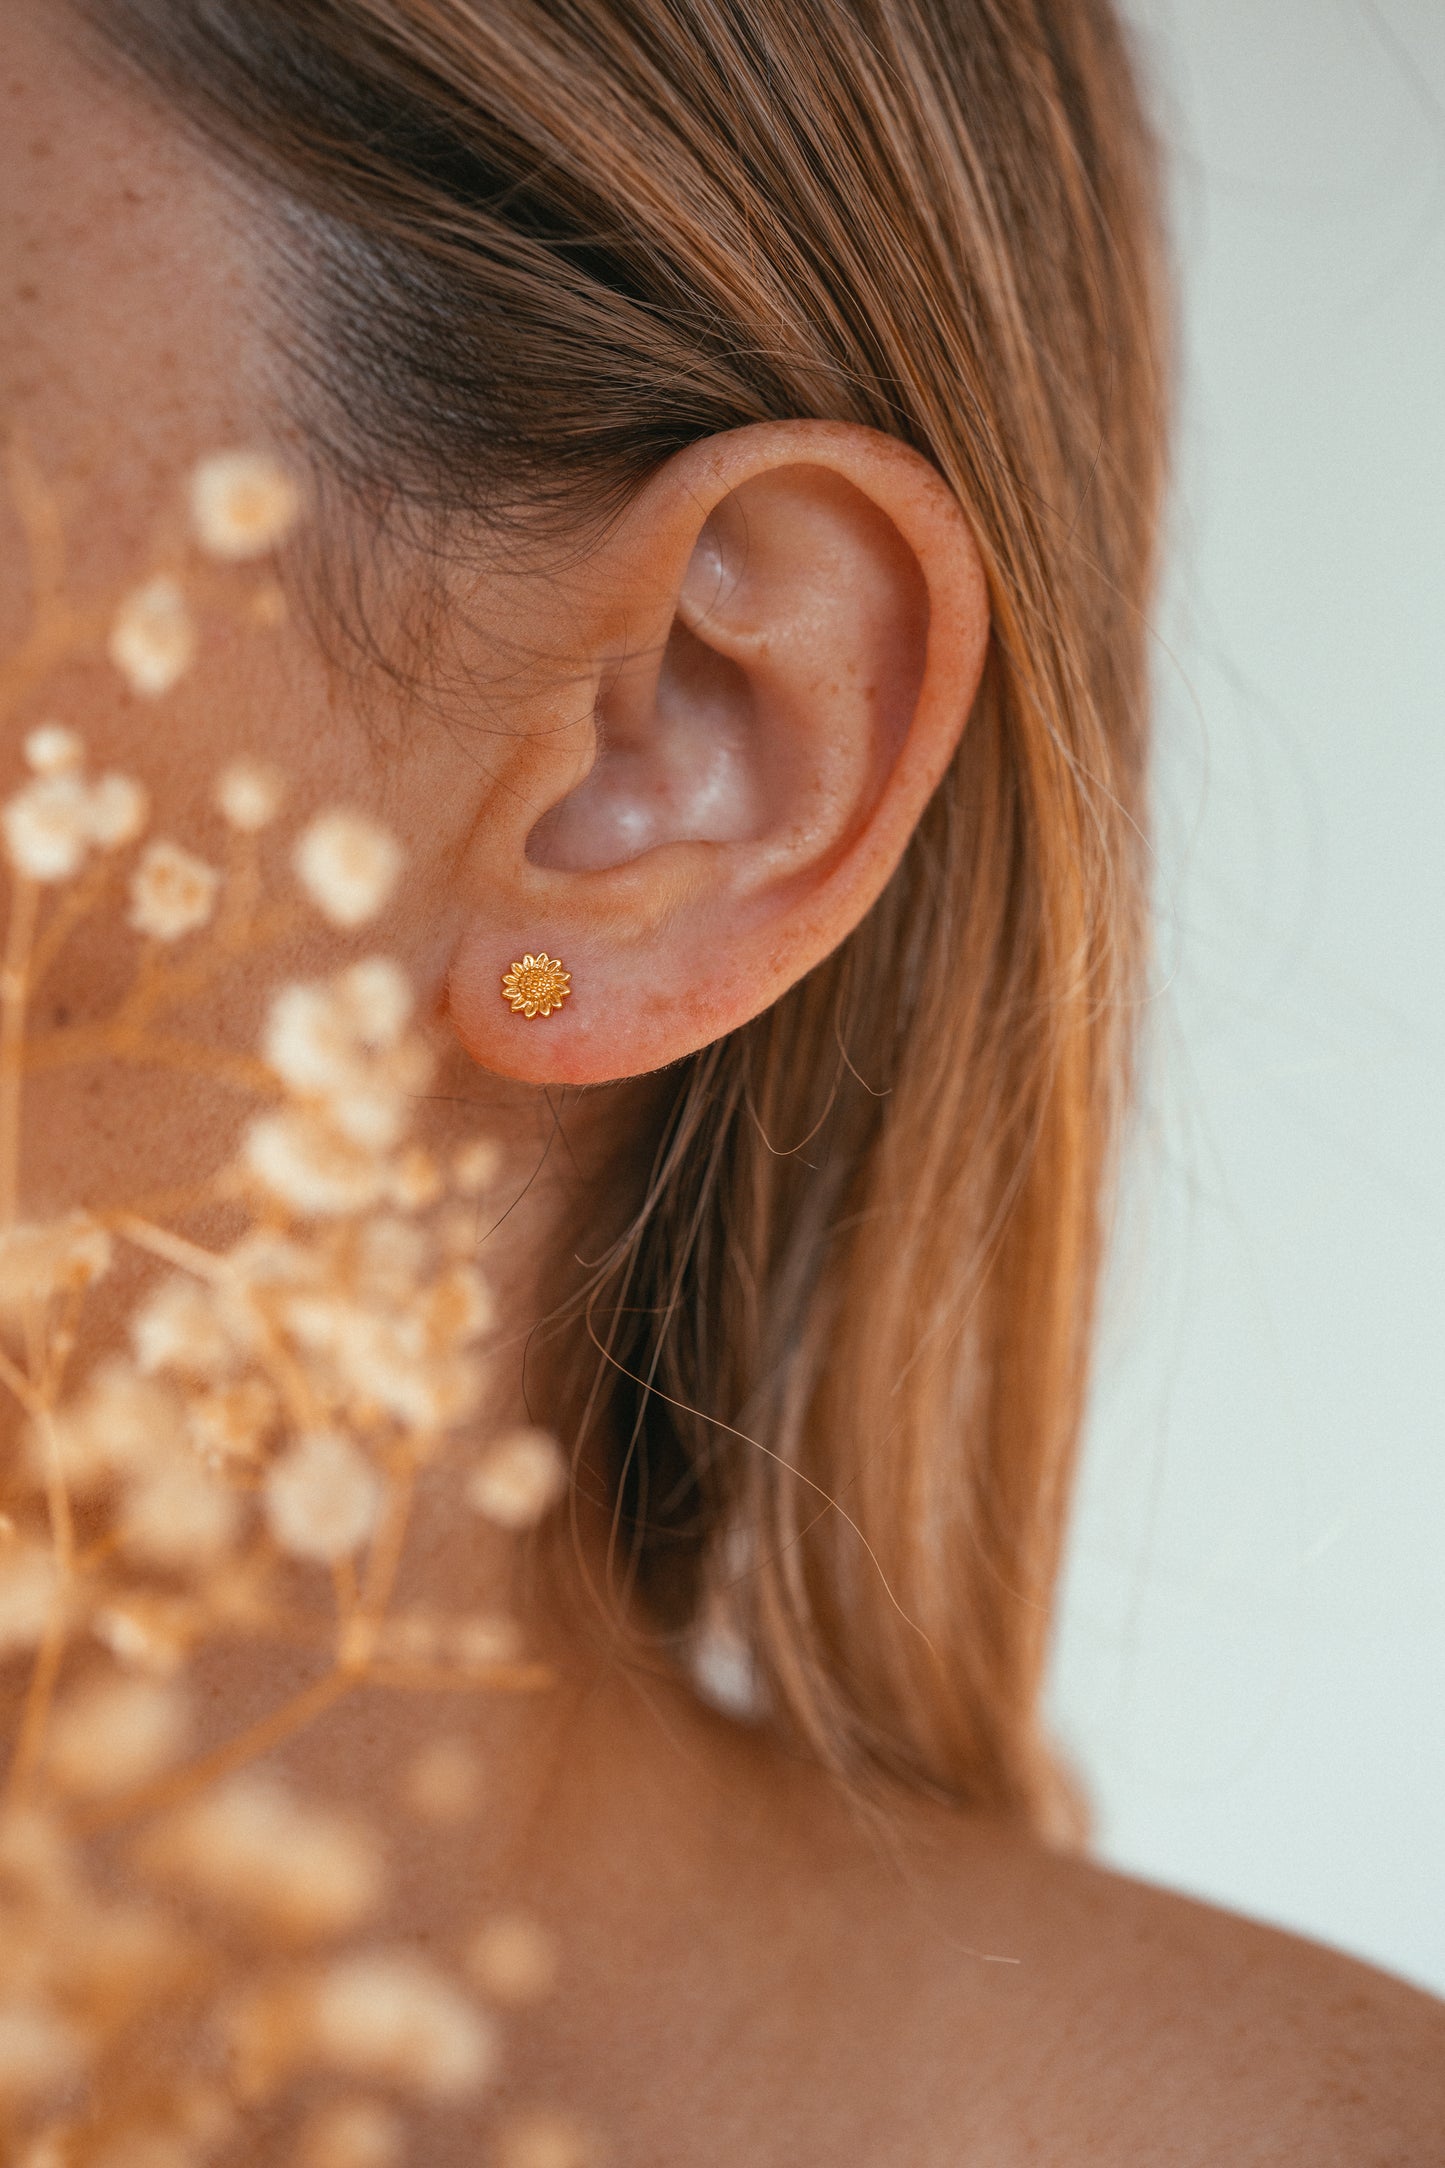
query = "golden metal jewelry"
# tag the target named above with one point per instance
(536, 986)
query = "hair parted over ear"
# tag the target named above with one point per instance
(531, 252)
(786, 631)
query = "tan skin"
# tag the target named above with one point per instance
(752, 1972)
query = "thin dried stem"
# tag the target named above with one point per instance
(384, 1560)
(21, 1386)
(41, 525)
(172, 1249)
(57, 630)
(260, 1738)
(41, 1692)
(162, 984)
(71, 911)
(14, 994)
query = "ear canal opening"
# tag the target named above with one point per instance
(679, 760)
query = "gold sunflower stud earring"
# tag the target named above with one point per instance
(536, 986)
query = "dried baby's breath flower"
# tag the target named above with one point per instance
(179, 1329)
(249, 795)
(114, 1733)
(341, 1042)
(256, 1851)
(40, 1260)
(47, 827)
(175, 1514)
(390, 1362)
(118, 1423)
(51, 749)
(348, 865)
(513, 1960)
(318, 1033)
(259, 1270)
(172, 892)
(265, 1391)
(119, 810)
(353, 2134)
(153, 638)
(375, 1112)
(28, 1589)
(54, 822)
(403, 1346)
(244, 504)
(542, 2138)
(389, 2017)
(306, 1166)
(518, 1480)
(475, 1166)
(322, 1497)
(443, 1782)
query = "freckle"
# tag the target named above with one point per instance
(42, 147)
(28, 292)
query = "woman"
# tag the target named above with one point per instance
(734, 438)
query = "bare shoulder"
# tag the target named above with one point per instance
(1118, 2023)
(930, 1990)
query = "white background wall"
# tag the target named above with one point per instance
(1252, 1660)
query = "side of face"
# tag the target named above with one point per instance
(683, 760)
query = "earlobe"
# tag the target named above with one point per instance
(789, 626)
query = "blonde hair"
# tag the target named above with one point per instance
(539, 245)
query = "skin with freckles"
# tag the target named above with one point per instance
(685, 762)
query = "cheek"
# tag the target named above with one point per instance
(131, 313)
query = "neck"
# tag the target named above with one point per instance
(542, 1600)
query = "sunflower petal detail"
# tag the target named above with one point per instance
(536, 985)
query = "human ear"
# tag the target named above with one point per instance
(782, 638)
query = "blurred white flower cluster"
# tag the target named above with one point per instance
(188, 1940)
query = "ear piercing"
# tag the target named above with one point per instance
(536, 986)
